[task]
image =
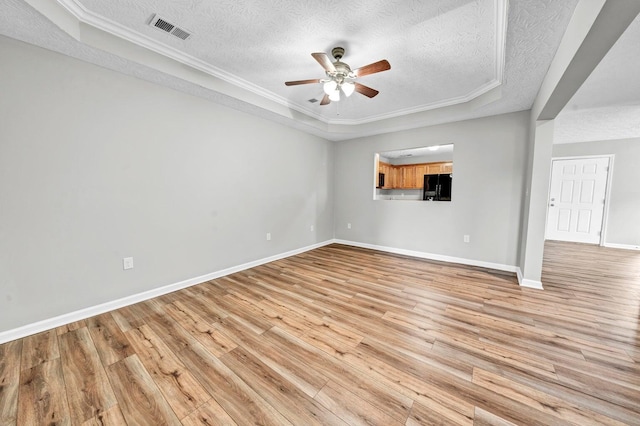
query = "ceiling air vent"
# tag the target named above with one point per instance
(166, 26)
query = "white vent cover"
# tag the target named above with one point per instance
(166, 26)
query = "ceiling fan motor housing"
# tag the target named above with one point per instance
(342, 71)
(337, 52)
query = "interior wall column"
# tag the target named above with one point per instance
(538, 196)
(594, 28)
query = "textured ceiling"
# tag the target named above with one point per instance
(441, 52)
(607, 106)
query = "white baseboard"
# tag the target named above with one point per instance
(526, 282)
(622, 246)
(431, 256)
(88, 312)
(48, 324)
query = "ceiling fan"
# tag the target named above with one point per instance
(341, 78)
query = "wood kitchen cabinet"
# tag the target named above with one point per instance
(393, 178)
(379, 171)
(433, 169)
(420, 171)
(410, 176)
(387, 170)
(439, 168)
(407, 177)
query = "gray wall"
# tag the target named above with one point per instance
(623, 226)
(96, 166)
(489, 160)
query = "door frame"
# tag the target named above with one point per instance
(607, 191)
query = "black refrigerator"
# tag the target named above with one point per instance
(437, 187)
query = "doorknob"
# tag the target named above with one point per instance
(552, 204)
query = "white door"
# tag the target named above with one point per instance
(576, 199)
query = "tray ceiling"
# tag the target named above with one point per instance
(468, 58)
(441, 52)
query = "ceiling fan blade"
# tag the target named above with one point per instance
(365, 90)
(373, 68)
(325, 100)
(295, 83)
(324, 61)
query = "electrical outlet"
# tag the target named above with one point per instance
(311, 228)
(127, 263)
(348, 226)
(467, 239)
(268, 236)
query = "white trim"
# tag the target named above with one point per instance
(501, 8)
(622, 246)
(83, 14)
(421, 108)
(502, 18)
(607, 200)
(48, 324)
(526, 282)
(430, 256)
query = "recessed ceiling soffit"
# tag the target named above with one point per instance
(442, 53)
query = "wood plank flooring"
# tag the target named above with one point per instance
(348, 336)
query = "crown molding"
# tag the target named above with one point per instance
(422, 108)
(501, 16)
(502, 19)
(86, 16)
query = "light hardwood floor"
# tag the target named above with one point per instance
(341, 335)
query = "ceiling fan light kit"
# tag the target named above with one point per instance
(348, 87)
(329, 87)
(340, 77)
(335, 95)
